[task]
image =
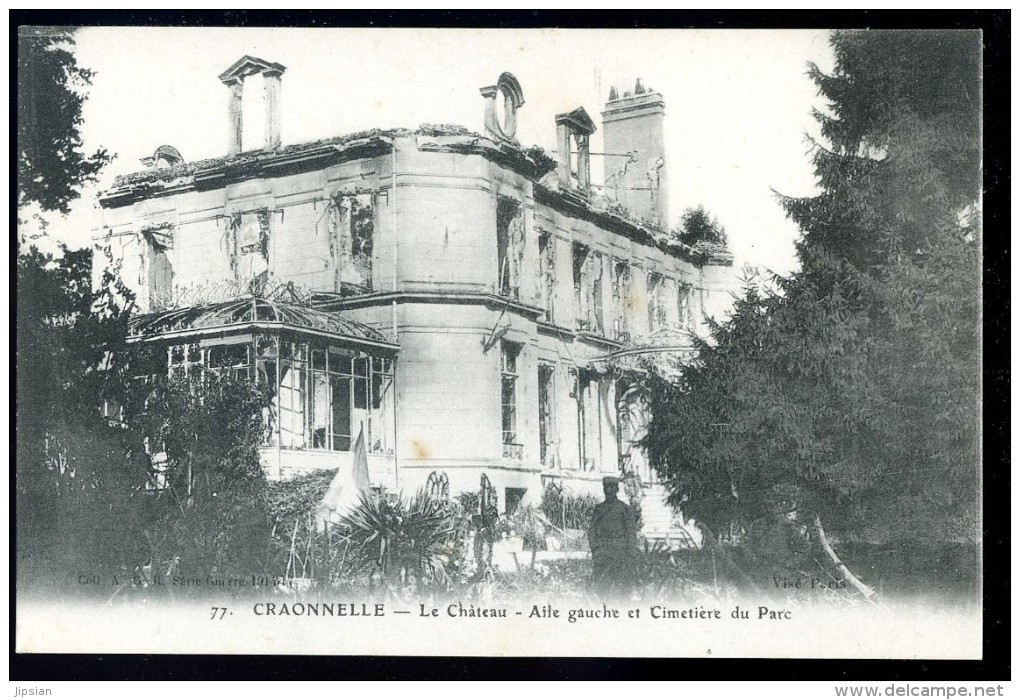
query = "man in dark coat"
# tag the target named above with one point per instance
(612, 536)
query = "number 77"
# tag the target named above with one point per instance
(221, 612)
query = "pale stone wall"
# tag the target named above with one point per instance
(298, 245)
(719, 286)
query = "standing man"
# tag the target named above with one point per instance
(612, 536)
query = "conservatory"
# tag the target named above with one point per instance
(330, 379)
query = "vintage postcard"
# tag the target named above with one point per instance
(517, 342)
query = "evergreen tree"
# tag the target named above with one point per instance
(851, 393)
(698, 226)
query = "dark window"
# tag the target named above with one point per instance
(546, 411)
(547, 274)
(233, 360)
(581, 296)
(513, 499)
(341, 405)
(508, 397)
(595, 264)
(509, 246)
(351, 227)
(161, 278)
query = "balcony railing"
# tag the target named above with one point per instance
(512, 450)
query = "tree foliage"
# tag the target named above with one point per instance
(698, 226)
(52, 167)
(852, 390)
(69, 460)
(91, 411)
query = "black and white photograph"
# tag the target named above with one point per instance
(499, 342)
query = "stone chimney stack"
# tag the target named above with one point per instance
(273, 82)
(234, 78)
(235, 115)
(632, 124)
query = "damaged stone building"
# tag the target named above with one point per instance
(461, 302)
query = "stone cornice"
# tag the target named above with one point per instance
(490, 301)
(214, 173)
(219, 172)
(573, 204)
(298, 158)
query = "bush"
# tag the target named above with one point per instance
(297, 498)
(469, 502)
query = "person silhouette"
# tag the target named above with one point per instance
(612, 537)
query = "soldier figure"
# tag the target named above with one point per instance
(612, 536)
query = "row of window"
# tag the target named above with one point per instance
(350, 229)
(322, 397)
(585, 390)
(350, 225)
(587, 277)
(587, 274)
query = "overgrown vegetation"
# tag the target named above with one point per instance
(91, 492)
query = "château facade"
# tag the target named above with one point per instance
(459, 301)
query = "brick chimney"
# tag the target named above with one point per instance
(632, 124)
(234, 78)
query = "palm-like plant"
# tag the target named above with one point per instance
(403, 538)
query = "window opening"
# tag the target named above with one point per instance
(580, 276)
(513, 499)
(292, 396)
(621, 300)
(685, 312)
(656, 305)
(546, 413)
(248, 246)
(319, 398)
(510, 246)
(588, 400)
(509, 355)
(547, 274)
(579, 408)
(351, 226)
(596, 320)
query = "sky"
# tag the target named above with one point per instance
(738, 102)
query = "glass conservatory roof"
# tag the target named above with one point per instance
(254, 313)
